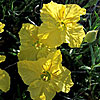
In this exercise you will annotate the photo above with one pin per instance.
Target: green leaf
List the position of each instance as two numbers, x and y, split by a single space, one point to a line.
90 3
85 67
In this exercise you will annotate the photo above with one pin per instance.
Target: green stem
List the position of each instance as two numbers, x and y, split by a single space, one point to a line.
92 55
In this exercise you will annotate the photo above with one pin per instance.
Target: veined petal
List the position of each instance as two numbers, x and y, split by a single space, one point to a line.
56 61
63 80
4 81
50 34
53 61
30 70
49 92
73 13
51 9
76 34
36 89
29 53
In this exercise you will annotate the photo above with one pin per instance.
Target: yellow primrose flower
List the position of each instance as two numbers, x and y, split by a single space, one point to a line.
4 77
31 48
1 27
2 58
4 81
46 76
58 21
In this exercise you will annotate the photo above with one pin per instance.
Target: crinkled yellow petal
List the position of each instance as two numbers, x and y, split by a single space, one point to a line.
30 70
73 13
50 34
56 60
64 13
63 80
76 34
2 58
65 77
4 81
53 61
1 27
53 9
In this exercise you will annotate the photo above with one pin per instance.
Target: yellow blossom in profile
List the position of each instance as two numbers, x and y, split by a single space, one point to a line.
31 48
46 76
1 27
60 25
2 58
4 78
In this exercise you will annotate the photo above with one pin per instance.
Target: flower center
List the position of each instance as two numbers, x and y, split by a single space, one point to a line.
61 25
37 44
45 76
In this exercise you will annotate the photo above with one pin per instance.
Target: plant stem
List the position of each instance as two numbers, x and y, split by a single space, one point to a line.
92 54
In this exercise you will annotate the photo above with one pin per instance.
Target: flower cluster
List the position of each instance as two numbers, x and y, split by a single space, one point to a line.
39 60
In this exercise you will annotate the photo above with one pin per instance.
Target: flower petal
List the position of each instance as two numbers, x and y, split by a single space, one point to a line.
73 13
49 92
36 89
63 81
4 81
1 27
76 34
51 9
50 34
56 59
28 53
2 58
30 70
28 35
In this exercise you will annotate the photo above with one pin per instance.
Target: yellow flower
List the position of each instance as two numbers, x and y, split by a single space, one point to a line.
31 48
2 58
58 21
46 76
4 78
4 81
1 27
